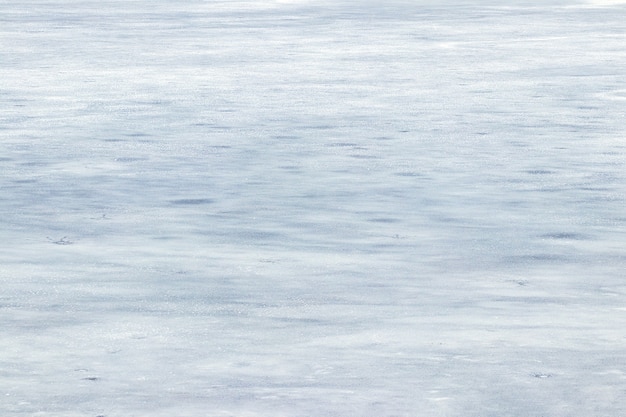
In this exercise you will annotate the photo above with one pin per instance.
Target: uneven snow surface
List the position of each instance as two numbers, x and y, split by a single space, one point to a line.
310 209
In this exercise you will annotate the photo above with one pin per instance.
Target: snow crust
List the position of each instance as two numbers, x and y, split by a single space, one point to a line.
298 208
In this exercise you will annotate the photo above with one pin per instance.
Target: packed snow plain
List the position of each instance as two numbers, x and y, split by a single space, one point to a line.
290 208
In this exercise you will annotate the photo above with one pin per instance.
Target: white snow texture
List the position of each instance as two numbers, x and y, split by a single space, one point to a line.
312 208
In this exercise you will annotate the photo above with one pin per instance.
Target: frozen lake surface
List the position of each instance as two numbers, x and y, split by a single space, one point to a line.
300 209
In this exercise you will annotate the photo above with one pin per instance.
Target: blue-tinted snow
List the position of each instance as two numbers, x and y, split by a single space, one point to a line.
255 208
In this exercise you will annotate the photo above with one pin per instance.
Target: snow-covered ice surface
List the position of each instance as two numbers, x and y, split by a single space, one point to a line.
291 208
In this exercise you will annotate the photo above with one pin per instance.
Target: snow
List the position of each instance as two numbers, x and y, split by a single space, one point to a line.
298 208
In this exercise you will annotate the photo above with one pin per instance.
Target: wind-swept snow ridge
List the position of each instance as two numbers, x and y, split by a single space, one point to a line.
266 208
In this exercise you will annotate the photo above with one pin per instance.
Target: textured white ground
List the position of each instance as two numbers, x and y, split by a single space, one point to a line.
293 208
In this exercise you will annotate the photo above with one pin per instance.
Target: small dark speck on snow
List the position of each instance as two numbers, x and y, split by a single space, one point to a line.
62 241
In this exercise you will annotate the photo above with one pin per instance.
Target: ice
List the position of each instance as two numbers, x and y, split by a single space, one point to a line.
298 208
